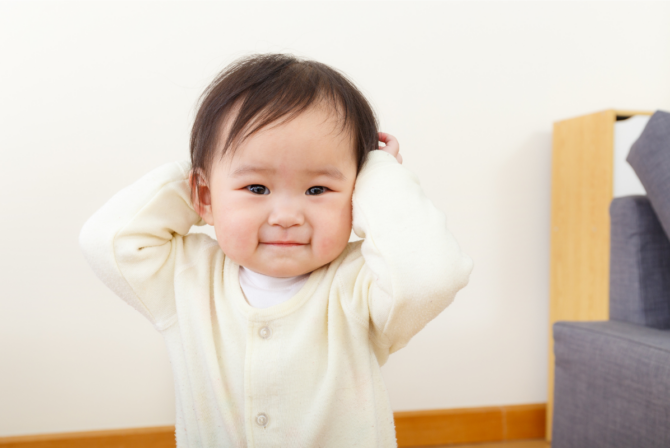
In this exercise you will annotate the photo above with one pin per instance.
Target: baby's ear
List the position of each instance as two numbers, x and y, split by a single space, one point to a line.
200 195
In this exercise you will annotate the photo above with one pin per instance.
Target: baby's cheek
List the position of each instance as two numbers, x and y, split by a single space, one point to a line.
238 235
332 240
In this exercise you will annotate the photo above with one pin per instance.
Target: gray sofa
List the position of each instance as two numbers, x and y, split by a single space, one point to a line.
612 378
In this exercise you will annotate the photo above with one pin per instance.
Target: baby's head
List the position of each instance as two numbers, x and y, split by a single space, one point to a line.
276 146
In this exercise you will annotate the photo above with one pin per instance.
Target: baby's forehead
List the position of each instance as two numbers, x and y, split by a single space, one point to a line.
325 116
311 139
267 168
277 158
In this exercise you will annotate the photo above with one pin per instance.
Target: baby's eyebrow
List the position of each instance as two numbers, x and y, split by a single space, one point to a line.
244 169
329 171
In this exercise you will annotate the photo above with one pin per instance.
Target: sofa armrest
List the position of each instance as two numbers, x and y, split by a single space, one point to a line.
639 264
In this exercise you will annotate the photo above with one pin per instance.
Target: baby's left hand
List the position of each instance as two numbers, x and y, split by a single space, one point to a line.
392 146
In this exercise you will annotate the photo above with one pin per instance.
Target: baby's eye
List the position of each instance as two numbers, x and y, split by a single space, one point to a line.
316 190
258 189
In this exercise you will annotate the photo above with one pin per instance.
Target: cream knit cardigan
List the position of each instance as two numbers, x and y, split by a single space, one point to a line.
302 374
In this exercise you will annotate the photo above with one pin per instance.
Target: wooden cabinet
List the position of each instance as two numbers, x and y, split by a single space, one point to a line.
588 170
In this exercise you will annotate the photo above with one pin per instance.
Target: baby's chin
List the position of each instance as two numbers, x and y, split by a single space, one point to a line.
272 267
268 263
282 262
283 271
284 268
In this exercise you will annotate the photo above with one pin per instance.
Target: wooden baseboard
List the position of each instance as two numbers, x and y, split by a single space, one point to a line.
413 429
470 425
155 437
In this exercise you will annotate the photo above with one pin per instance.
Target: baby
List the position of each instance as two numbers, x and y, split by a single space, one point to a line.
277 330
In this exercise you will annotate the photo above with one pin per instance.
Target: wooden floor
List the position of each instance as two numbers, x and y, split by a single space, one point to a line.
514 444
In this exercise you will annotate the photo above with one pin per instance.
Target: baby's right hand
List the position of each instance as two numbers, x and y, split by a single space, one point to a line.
392 146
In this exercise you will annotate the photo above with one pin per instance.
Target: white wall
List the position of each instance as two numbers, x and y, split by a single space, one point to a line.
94 95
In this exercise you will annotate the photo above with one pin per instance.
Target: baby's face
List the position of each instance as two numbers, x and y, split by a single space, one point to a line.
281 204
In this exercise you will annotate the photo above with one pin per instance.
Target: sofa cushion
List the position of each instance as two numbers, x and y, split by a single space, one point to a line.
612 386
650 158
639 264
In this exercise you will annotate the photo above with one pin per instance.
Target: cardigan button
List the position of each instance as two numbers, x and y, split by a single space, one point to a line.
265 332
262 420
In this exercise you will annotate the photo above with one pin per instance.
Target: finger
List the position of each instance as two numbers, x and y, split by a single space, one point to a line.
383 136
386 137
392 145
399 157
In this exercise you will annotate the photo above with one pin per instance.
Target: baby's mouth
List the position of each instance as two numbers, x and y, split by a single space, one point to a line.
283 243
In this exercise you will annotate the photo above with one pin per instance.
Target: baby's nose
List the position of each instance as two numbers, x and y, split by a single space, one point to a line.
286 214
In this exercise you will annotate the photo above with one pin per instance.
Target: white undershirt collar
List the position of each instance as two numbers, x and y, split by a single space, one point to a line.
263 291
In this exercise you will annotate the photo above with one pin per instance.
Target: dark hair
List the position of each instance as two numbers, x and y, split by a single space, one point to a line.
267 87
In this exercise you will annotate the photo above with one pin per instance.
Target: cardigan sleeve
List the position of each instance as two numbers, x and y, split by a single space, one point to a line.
134 241
414 264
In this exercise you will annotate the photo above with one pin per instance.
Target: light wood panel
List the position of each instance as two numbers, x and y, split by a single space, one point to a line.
582 187
413 429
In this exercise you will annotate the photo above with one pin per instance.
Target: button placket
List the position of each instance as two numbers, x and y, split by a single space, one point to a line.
262 354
